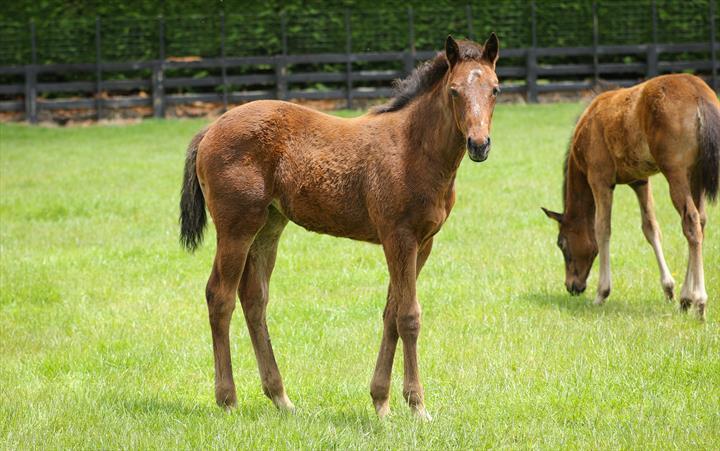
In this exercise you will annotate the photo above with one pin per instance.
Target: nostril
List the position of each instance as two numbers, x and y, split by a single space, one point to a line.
487 143
470 143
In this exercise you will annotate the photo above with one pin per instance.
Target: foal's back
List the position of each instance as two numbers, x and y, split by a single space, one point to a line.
313 167
639 131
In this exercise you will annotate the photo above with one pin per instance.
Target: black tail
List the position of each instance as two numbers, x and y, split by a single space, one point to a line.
192 202
708 166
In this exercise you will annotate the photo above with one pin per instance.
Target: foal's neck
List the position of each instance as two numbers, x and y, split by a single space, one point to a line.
433 135
579 201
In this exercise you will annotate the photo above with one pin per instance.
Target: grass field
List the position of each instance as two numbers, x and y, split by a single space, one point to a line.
105 343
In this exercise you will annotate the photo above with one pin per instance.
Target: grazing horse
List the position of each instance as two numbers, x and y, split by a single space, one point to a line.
669 124
386 177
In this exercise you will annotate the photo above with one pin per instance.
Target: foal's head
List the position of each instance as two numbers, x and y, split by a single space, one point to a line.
473 87
579 250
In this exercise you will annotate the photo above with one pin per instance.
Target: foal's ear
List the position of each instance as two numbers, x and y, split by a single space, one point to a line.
553 215
491 49
452 51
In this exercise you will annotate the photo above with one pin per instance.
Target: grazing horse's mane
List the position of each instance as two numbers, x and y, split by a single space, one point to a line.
425 76
565 172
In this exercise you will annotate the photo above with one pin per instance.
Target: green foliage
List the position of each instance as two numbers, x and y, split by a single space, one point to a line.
105 342
131 29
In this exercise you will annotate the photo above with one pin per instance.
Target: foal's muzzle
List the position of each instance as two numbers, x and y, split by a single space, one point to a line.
575 288
478 151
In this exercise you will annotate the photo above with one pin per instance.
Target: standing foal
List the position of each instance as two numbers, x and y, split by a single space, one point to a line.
386 177
669 124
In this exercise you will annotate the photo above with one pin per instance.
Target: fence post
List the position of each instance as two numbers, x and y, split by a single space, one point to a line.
158 75
409 55
281 62
468 13
652 52
348 62
31 80
596 44
531 60
98 70
223 63
713 46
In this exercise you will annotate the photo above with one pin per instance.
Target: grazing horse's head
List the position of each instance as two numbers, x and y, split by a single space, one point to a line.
579 250
473 87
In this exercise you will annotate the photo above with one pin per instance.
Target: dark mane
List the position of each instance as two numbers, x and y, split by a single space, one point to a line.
565 172
425 76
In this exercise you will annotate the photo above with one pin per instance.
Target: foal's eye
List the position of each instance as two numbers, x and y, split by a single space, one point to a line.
495 91
454 92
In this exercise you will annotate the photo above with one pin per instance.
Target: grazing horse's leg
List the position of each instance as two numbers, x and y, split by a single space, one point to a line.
651 229
603 195
221 294
401 253
253 293
699 199
693 290
380 385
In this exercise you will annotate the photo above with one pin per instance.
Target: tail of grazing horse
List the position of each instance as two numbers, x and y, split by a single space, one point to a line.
192 203
708 165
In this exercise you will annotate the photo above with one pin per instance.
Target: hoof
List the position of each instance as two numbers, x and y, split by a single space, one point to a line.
701 311
382 408
226 398
669 292
283 403
685 304
422 414
602 295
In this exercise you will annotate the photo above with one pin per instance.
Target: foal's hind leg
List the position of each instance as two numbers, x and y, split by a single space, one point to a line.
380 385
699 199
254 289
693 291
233 243
651 229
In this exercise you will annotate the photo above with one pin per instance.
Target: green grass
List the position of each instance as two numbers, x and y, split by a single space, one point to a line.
105 343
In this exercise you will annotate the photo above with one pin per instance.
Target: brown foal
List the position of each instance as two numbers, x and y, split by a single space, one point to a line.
669 124
386 177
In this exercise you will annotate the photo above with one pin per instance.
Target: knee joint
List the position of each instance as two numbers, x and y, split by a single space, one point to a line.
409 325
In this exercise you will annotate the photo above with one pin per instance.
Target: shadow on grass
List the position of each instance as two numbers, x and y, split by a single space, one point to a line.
153 406
255 411
247 409
583 306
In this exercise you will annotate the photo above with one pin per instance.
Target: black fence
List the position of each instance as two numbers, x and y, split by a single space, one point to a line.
105 64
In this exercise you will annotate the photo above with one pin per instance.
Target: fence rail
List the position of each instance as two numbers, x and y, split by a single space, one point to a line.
280 66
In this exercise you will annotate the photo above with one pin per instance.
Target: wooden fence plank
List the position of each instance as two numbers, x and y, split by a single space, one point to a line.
276 73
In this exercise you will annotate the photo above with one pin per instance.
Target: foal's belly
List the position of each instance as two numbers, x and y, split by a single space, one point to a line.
321 214
633 161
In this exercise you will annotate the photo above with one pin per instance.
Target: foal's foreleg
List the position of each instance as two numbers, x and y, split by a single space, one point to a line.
254 291
401 252
603 195
651 229
380 385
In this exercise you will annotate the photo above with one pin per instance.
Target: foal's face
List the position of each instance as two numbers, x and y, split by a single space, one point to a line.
579 250
473 88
